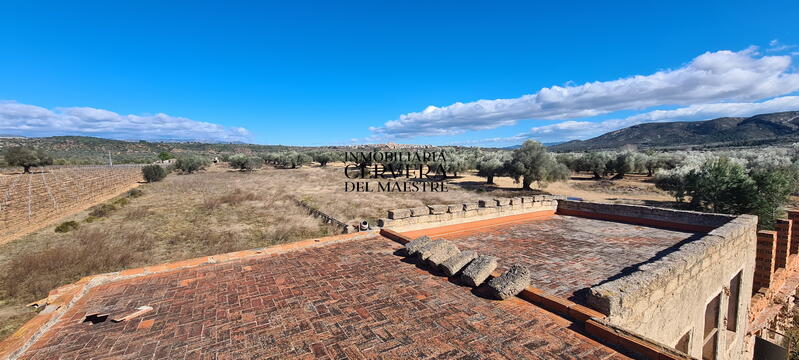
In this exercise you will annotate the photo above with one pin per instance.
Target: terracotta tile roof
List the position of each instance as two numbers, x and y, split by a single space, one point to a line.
566 254
346 300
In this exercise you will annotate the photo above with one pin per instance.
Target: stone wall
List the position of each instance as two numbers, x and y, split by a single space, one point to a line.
345 229
686 220
446 214
666 298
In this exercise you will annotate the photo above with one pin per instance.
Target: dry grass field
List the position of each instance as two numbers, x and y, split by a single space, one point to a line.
222 210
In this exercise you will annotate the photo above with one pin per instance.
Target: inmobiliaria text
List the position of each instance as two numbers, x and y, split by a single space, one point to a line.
395 171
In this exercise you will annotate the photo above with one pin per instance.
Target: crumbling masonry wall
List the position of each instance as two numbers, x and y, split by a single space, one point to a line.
666 298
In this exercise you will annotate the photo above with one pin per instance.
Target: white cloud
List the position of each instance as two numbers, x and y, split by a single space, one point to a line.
776 46
571 130
711 77
31 120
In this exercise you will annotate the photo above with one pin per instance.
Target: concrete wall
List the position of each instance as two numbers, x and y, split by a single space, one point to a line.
667 297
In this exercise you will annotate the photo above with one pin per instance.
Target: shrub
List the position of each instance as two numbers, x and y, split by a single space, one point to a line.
102 210
66 227
134 193
137 213
164 155
153 173
191 163
32 275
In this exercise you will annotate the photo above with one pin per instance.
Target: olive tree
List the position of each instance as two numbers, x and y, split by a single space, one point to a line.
623 164
453 163
490 165
532 163
26 157
245 163
153 173
594 162
191 163
324 157
288 159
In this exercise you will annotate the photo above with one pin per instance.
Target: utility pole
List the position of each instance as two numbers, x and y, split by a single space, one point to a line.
110 163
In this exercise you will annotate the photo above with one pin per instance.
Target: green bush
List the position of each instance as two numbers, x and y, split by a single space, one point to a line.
191 163
153 173
66 227
163 156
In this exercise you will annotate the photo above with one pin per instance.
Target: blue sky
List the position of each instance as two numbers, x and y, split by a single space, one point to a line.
316 73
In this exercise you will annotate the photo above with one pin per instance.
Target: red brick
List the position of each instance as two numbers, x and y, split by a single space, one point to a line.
354 299
765 259
565 254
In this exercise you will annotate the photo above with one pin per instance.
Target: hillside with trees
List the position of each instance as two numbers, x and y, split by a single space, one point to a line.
84 150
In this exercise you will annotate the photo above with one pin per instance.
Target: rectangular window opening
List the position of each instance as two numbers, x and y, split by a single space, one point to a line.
711 332
732 304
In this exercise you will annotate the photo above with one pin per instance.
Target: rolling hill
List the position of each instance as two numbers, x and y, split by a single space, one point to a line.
93 150
760 129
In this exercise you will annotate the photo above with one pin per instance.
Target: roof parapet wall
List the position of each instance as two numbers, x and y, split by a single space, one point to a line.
646 215
610 297
440 215
665 296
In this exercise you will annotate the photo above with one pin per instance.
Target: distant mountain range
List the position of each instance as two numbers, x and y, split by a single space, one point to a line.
761 129
782 127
